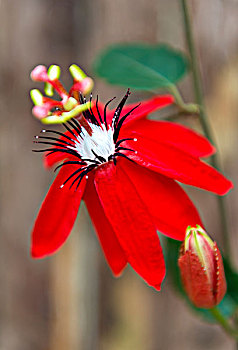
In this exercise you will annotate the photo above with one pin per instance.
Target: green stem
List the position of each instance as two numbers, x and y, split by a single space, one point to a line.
190 108
204 119
223 322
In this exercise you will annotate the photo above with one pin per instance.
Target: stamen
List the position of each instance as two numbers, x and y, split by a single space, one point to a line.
83 122
75 95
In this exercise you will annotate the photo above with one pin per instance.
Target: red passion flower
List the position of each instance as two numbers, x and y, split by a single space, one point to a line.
125 167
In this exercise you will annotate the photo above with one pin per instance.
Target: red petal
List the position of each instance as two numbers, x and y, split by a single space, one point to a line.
52 159
174 134
195 281
145 108
168 204
178 165
109 242
131 223
57 215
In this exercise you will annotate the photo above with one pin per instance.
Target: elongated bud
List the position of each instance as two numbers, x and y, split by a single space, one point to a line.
201 268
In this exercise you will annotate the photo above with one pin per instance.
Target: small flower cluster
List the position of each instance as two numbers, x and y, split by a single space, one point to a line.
51 111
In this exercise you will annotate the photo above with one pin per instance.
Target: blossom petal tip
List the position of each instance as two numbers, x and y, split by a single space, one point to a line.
35 254
213 150
227 187
157 287
41 252
118 272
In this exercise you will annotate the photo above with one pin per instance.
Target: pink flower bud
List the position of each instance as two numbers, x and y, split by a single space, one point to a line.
201 269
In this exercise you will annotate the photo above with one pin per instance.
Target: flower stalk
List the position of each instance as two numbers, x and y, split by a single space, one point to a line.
190 108
203 118
224 322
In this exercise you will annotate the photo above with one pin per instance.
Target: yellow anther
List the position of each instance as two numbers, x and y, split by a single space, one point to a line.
54 72
77 72
37 97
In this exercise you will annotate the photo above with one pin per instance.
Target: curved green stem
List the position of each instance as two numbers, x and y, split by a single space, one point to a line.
204 118
223 322
191 108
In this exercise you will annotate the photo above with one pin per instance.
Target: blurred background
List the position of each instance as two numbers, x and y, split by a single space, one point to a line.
71 301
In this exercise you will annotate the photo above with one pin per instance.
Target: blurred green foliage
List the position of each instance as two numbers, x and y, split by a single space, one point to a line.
141 66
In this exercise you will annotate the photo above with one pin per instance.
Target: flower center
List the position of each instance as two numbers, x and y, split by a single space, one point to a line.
97 146
90 139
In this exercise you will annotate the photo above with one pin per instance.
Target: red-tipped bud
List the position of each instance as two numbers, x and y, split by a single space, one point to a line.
201 269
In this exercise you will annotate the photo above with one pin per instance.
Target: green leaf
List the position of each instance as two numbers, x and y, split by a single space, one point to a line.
141 66
227 306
